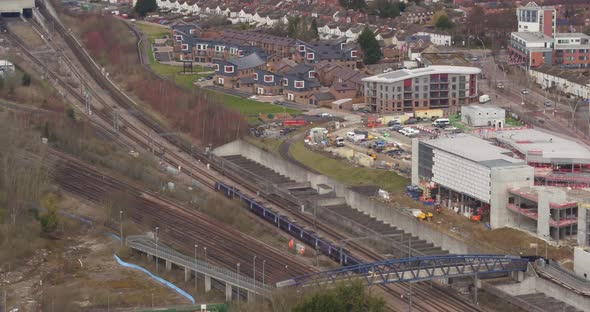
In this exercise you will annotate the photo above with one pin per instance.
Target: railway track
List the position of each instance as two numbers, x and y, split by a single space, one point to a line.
427 300
182 226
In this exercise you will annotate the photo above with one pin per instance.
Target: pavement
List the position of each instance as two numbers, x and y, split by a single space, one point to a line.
511 98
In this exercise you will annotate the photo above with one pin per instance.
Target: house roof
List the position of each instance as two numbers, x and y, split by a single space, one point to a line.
323 96
581 77
343 86
246 62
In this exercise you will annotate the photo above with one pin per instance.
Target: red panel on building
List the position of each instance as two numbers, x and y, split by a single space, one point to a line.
548 23
408 83
472 82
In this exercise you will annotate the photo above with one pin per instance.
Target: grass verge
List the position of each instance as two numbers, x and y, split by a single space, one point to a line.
251 109
345 172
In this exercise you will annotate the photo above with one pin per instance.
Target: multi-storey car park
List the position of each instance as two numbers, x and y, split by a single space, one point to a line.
405 90
527 178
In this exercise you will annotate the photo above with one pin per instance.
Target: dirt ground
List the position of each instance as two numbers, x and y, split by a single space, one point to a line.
26 32
78 272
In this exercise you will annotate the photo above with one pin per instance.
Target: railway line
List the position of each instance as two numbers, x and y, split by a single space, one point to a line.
427 300
182 226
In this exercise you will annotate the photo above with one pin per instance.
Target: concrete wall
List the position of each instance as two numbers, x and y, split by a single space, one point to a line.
15 6
415 158
582 262
374 208
540 285
505 178
583 214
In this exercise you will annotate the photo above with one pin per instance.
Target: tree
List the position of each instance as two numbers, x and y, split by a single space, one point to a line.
386 8
314 29
353 4
444 22
370 46
475 20
345 298
26 79
49 219
293 25
587 31
143 7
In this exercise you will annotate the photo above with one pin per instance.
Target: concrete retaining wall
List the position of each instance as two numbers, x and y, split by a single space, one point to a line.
374 208
540 285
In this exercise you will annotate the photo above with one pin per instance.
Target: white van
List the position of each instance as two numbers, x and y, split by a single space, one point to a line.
350 136
441 122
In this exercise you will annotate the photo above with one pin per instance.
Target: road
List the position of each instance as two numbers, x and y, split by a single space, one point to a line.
533 111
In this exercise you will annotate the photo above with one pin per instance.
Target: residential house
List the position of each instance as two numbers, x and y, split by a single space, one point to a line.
234 73
300 83
437 38
324 99
335 51
267 83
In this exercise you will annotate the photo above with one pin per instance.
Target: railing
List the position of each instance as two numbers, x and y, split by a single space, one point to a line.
148 245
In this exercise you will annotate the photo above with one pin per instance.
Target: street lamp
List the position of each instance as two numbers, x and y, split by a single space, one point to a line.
254 269
205 249
157 229
263 264
196 273
238 269
121 225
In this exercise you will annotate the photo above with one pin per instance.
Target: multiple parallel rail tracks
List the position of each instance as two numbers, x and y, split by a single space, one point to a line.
141 130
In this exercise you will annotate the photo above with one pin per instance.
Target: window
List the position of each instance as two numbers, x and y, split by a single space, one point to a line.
285 81
454 79
399 89
425 80
201 47
299 84
255 76
425 88
220 81
240 52
301 48
193 31
311 74
425 95
310 56
571 58
184 47
269 78
228 69
353 53
178 38
216 67
416 88
233 51
219 48
416 103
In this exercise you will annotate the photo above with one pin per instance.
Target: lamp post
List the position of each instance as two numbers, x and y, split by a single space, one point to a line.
238 269
121 226
254 269
263 264
196 273
205 249
157 229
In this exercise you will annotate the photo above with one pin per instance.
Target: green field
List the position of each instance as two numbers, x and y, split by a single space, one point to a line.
249 108
347 173
456 122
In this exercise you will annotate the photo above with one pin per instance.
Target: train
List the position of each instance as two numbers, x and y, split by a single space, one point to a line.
310 238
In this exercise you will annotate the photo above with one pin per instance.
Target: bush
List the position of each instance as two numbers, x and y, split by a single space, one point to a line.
26 79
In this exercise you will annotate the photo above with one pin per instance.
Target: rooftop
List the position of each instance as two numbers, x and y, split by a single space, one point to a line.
444 58
571 35
482 108
250 61
532 37
476 149
579 76
545 145
403 74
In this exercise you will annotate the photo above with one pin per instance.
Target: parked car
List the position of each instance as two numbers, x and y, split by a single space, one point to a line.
396 127
411 121
393 123
500 86
524 91
547 104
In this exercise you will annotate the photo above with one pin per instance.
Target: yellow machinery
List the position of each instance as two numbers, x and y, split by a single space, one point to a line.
424 216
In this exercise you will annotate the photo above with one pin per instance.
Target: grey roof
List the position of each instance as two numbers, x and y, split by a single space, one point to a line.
476 149
321 96
330 49
579 76
250 61
568 35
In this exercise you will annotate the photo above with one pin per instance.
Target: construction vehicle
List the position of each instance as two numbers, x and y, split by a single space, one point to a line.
421 215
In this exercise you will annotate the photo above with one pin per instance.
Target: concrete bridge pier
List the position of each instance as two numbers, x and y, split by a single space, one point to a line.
517 276
228 291
168 266
476 285
187 274
150 258
207 283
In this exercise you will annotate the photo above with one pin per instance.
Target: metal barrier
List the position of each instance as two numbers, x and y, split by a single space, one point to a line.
148 245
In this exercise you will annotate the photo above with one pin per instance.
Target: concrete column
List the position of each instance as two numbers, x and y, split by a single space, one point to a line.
227 292
168 265
249 296
207 283
187 274
582 215
150 258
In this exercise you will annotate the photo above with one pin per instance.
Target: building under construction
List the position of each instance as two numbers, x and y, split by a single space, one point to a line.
523 178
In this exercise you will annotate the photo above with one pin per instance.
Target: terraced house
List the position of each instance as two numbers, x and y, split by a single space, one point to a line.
234 73
331 51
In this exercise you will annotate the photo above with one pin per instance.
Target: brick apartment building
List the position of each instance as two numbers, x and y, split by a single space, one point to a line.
444 87
537 43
